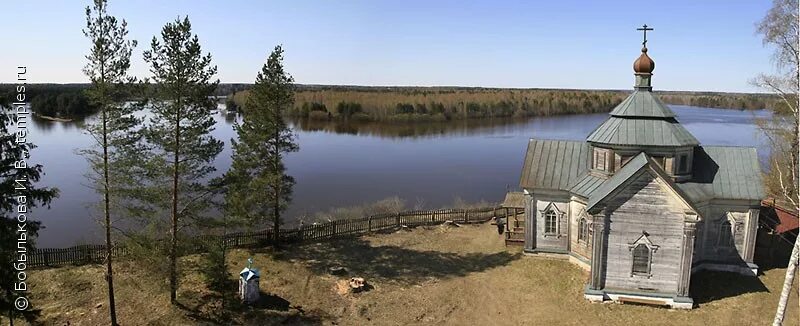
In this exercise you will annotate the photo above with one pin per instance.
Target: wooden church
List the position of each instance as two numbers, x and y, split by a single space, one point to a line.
641 203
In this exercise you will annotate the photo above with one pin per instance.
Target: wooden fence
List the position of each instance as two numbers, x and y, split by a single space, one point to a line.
86 254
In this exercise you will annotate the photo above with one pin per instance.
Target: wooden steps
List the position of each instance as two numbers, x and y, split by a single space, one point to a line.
515 242
515 236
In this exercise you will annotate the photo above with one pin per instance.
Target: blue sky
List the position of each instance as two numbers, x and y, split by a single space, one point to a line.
554 44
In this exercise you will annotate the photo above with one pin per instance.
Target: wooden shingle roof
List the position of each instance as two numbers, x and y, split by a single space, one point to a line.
554 164
514 199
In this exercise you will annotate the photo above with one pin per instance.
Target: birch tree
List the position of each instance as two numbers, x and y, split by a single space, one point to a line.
779 29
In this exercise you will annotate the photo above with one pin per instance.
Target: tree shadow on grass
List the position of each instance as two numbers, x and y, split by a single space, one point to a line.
270 309
394 263
709 286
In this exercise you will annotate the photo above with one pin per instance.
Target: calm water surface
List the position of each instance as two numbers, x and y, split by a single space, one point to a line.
349 164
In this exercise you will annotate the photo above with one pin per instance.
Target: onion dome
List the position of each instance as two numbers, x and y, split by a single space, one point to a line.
644 64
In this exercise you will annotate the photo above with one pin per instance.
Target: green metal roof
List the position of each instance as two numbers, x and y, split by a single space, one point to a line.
554 164
719 172
642 132
642 104
586 185
725 172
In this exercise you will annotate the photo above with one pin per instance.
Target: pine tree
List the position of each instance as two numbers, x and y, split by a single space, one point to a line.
259 186
214 263
113 129
180 128
11 200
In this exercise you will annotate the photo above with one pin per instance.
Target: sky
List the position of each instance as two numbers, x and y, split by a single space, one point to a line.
697 45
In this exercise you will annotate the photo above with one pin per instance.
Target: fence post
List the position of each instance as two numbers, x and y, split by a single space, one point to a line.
369 224
335 231
466 216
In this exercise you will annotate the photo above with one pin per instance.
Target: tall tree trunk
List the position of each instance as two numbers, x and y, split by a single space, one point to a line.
787 285
173 253
106 199
278 184
112 309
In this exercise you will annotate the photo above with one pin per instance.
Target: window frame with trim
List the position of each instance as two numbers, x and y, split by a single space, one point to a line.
550 222
600 159
683 163
642 246
727 230
583 230
551 212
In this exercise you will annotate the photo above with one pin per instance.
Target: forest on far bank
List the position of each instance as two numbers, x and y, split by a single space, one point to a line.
367 103
452 103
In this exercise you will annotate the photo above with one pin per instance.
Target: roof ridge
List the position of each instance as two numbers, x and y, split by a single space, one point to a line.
553 139
730 146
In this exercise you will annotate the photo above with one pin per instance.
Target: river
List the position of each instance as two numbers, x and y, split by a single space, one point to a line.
339 164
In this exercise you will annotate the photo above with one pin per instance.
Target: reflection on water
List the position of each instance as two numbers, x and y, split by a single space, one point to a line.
342 164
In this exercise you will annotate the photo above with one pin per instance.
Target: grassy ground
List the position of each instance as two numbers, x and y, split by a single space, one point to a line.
441 275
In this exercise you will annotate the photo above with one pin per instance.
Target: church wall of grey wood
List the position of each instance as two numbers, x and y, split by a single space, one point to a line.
641 203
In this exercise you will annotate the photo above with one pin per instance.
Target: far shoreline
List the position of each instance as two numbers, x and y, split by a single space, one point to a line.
56 119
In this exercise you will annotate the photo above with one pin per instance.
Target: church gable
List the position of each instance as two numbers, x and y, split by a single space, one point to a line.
625 182
645 193
646 220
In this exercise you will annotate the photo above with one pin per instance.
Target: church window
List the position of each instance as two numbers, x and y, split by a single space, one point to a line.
583 230
600 159
550 222
642 251
725 238
641 259
683 165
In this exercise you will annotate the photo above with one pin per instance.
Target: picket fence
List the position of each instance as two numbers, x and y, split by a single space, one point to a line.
88 254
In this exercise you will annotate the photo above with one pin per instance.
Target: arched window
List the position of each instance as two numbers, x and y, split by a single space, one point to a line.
725 238
583 230
641 259
550 222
